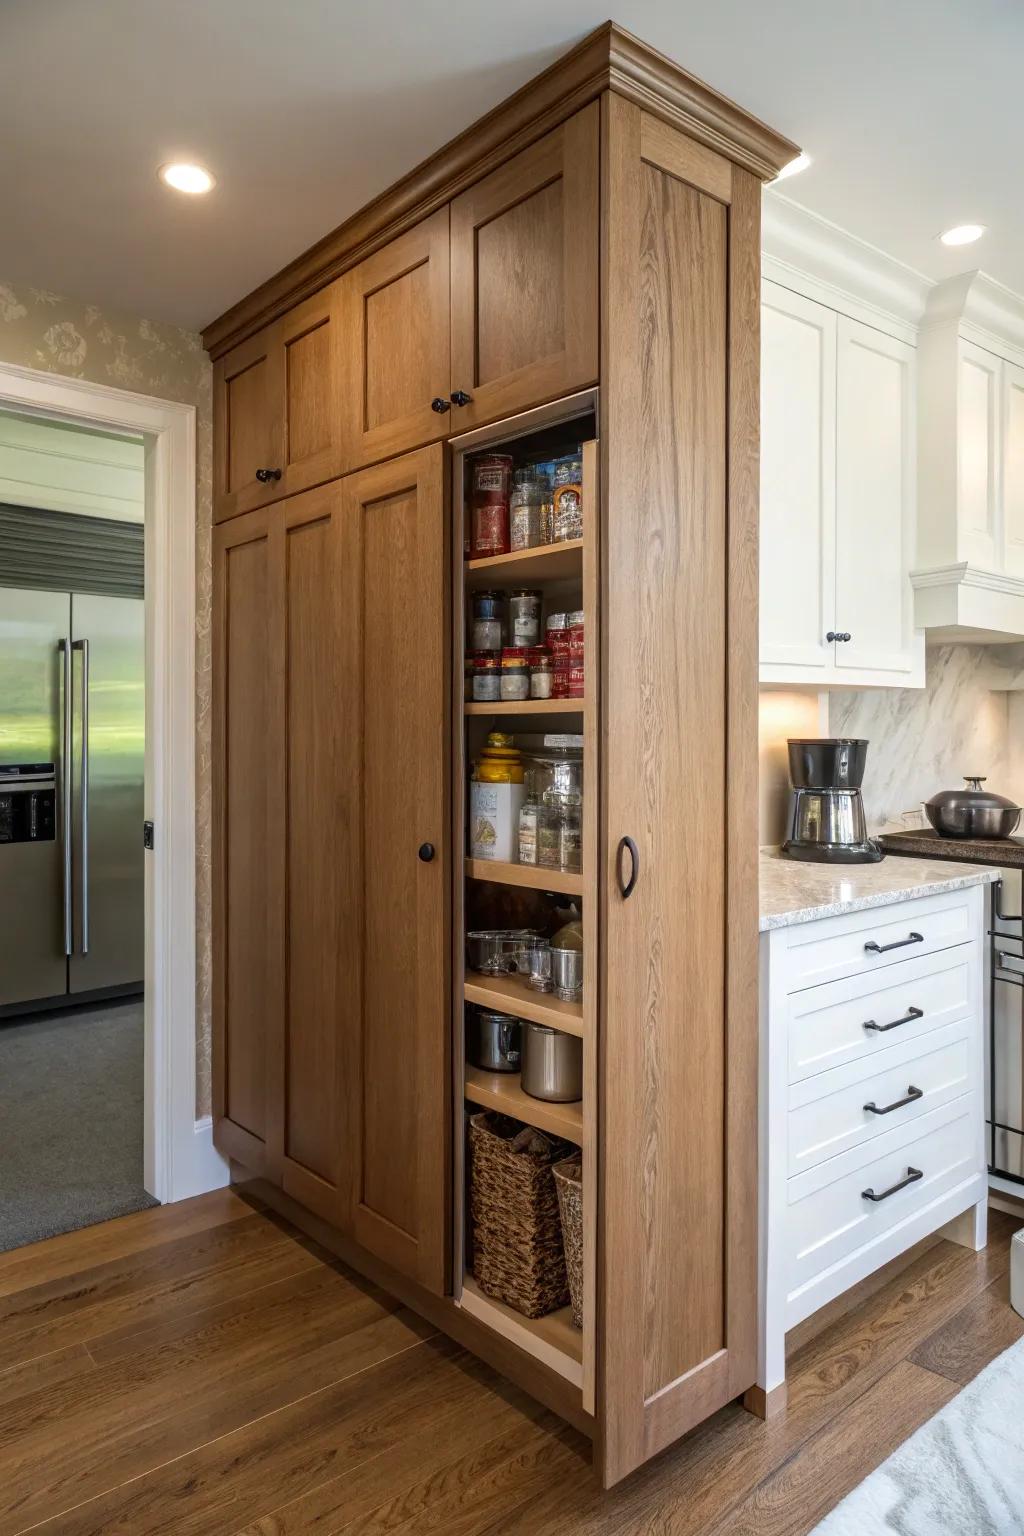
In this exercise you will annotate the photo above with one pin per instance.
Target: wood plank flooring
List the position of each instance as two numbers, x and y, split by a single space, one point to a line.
204 1370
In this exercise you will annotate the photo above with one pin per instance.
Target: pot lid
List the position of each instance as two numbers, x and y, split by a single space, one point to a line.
972 795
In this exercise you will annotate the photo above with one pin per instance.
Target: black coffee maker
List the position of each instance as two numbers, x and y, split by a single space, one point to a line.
826 812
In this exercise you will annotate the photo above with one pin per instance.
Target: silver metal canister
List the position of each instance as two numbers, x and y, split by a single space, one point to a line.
524 617
567 974
494 1041
552 1064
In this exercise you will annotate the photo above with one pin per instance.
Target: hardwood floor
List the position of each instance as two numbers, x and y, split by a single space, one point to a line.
204 1370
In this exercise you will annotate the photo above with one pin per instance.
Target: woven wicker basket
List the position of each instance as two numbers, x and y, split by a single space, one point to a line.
516 1232
568 1177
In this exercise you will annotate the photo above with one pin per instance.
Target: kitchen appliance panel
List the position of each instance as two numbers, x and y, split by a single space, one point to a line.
108 696
33 625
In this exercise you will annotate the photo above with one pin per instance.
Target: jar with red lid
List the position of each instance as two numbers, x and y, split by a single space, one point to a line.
489 505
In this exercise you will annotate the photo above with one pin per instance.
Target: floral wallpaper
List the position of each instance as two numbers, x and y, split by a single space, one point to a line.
39 329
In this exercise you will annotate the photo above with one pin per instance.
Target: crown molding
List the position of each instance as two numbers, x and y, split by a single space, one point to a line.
984 311
610 58
963 574
849 274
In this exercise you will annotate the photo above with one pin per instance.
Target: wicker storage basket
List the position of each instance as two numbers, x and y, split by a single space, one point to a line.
568 1176
516 1232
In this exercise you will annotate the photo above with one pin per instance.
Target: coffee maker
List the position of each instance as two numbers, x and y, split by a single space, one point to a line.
826 812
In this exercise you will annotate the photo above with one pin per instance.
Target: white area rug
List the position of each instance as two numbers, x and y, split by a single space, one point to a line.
961 1474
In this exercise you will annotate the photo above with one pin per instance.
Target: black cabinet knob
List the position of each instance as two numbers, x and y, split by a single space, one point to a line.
459 397
835 634
264 476
440 404
426 852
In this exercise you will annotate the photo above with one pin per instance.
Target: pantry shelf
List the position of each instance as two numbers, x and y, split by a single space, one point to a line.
551 1339
548 562
528 707
502 1091
529 875
510 994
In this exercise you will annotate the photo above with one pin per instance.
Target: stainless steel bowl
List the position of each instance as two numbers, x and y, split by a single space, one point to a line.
973 813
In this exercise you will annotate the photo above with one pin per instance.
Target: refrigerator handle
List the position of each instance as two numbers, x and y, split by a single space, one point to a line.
65 794
83 851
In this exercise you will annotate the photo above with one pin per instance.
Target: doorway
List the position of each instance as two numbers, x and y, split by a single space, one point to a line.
179 1159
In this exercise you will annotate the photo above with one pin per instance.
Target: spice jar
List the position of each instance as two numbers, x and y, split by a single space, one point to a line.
567 497
487 621
524 616
541 674
487 677
515 674
489 507
526 509
570 834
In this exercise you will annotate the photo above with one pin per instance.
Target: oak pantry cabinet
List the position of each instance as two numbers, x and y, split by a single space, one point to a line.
577 274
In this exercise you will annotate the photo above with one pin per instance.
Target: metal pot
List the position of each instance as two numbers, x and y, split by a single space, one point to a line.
972 813
494 1041
827 762
552 1064
499 951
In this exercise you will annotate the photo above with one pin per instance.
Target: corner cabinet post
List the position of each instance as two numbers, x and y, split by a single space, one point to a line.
677 1235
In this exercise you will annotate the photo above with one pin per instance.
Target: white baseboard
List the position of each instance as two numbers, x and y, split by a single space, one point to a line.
199 1167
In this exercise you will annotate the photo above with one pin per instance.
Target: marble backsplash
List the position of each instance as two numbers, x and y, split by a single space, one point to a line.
925 740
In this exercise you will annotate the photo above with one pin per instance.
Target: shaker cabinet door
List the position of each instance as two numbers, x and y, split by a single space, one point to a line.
392 936
395 346
524 253
247 424
1013 469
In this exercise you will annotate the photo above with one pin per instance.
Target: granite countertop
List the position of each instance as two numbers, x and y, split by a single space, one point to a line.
794 892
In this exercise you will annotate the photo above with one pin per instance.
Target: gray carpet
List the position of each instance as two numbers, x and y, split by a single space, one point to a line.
71 1094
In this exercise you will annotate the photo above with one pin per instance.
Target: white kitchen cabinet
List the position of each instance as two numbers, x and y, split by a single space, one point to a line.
872 1117
838 451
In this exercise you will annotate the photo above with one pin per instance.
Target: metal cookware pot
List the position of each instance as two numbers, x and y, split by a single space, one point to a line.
973 812
831 762
494 1041
552 1064
499 951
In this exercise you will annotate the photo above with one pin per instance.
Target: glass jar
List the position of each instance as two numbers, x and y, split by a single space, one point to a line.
567 496
487 628
524 616
541 675
526 509
529 816
549 831
489 509
570 832
487 677
515 675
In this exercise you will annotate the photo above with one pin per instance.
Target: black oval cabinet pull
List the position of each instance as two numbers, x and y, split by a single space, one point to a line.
264 476
459 397
913 1094
440 404
908 1018
835 634
426 852
872 948
913 1174
627 845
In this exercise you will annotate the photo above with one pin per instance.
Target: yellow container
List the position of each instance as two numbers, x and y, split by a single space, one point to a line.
499 762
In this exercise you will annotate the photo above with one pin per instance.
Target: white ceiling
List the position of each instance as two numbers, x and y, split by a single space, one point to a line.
304 109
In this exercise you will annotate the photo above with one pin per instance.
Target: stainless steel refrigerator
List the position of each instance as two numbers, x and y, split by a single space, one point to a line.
72 740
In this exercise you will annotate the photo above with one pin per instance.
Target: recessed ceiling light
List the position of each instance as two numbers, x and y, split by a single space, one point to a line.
186 178
962 234
794 167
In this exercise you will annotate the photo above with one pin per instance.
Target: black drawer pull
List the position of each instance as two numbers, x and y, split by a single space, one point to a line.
912 1094
908 1018
913 1174
440 405
627 887
883 949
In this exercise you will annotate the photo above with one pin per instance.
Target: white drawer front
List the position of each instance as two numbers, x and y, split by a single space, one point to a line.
821 952
827 1113
828 1217
827 1026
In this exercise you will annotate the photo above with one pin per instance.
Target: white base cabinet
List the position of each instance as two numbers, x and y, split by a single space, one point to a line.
872 1111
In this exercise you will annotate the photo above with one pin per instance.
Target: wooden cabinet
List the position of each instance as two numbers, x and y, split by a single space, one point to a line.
838 502
524 277
276 413
332 930
395 351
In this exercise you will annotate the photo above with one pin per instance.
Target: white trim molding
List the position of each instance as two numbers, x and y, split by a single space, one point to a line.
965 603
180 1159
983 310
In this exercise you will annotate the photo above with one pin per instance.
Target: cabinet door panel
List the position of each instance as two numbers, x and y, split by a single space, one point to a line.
247 423
875 505
978 457
246 892
395 348
395 547
308 343
798 463
678 972
524 251
1013 469
320 1014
